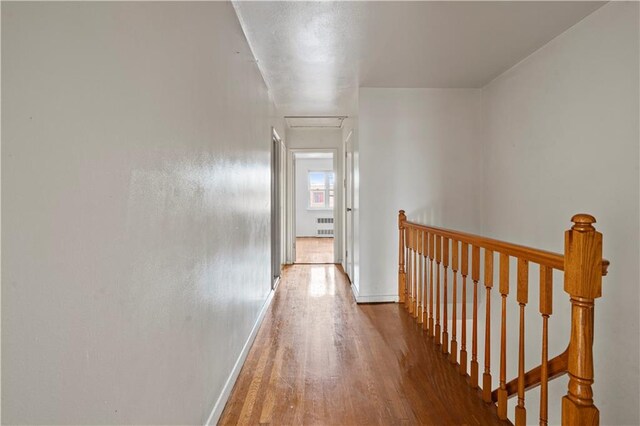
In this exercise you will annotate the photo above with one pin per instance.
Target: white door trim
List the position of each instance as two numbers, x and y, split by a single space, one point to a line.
348 190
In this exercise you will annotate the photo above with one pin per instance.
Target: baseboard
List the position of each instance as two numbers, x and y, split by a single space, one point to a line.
354 290
380 298
233 376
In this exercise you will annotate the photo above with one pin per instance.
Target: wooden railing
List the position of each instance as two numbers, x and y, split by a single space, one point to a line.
427 253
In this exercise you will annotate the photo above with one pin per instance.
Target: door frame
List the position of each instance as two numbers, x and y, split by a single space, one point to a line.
348 203
291 203
278 152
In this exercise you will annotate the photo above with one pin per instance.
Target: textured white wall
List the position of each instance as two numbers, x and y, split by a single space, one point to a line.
306 219
419 150
561 137
135 193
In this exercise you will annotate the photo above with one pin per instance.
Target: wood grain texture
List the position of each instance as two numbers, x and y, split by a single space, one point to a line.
546 308
425 279
475 276
401 257
437 333
488 283
454 315
501 396
319 358
582 280
556 367
541 257
583 268
445 291
432 249
314 250
464 256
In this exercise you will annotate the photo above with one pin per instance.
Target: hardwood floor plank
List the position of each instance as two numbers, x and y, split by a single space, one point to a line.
319 358
314 250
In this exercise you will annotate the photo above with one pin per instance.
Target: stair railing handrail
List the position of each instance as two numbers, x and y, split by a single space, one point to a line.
425 251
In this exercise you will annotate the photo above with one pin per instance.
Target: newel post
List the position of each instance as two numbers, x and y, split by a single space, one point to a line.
402 275
583 282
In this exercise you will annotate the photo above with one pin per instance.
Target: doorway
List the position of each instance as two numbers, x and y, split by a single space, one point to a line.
277 150
315 205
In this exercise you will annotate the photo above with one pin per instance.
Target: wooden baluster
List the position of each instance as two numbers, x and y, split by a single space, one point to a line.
407 300
437 283
464 257
546 296
504 292
583 282
409 269
402 277
417 314
475 276
413 271
488 283
414 235
445 318
432 250
523 298
454 324
425 280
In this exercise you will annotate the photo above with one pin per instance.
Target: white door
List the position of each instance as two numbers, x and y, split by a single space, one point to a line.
348 183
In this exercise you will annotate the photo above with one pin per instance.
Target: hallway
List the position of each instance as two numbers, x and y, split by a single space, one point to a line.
321 359
160 159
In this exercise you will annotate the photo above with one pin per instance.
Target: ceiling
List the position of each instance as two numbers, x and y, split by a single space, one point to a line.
315 55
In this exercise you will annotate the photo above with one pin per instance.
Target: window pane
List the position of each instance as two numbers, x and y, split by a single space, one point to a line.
331 180
316 180
316 199
331 198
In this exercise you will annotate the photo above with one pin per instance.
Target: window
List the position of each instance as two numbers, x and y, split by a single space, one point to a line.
321 190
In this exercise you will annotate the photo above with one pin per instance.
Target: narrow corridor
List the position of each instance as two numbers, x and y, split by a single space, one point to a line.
321 359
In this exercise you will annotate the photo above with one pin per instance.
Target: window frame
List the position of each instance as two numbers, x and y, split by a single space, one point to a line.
326 190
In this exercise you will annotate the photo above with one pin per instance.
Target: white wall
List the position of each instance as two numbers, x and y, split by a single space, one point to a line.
306 219
561 137
419 150
555 135
135 192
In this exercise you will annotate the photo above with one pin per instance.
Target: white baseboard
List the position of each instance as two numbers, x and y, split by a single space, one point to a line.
354 290
233 376
379 298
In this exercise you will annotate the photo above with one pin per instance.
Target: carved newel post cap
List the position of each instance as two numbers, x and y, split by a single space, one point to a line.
583 222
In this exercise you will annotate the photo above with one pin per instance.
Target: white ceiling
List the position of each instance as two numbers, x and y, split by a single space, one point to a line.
315 55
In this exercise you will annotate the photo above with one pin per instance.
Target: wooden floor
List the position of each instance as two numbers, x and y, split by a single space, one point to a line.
319 358
314 250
